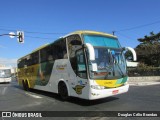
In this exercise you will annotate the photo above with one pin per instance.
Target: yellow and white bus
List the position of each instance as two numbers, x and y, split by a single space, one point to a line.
84 64
5 75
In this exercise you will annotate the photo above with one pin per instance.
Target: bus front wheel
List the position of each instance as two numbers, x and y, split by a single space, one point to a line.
62 91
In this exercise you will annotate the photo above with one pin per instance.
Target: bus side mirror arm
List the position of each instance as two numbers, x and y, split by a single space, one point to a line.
132 51
91 51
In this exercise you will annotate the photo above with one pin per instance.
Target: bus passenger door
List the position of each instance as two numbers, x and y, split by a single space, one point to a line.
81 66
80 73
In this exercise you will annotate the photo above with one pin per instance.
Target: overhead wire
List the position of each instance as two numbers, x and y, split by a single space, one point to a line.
128 37
31 32
139 26
133 28
39 37
60 33
43 32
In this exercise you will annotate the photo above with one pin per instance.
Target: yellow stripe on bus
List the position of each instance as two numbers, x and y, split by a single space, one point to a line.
108 83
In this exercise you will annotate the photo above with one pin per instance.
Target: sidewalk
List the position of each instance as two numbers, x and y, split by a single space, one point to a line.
144 81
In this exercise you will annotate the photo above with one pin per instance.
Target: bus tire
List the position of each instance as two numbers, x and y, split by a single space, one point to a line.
62 91
24 84
27 86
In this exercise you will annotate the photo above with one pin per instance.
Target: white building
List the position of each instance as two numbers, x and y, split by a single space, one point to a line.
132 64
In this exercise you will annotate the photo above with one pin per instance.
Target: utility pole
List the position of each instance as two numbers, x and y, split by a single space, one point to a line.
113 32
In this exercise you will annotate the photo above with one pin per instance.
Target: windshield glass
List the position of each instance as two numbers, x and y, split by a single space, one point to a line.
4 73
110 64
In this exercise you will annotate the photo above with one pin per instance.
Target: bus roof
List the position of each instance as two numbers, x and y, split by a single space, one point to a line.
91 32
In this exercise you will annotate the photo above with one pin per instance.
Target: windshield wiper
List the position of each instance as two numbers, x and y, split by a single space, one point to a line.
123 75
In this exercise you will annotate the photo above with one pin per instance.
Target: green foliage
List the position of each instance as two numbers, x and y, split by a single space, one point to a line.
145 67
128 55
148 51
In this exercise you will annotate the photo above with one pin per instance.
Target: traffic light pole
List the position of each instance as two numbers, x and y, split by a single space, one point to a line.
20 36
8 34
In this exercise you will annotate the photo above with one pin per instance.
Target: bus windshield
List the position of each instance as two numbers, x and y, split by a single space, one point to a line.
109 58
110 64
5 73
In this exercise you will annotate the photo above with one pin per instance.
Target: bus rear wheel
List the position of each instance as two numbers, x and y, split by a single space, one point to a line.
62 91
25 85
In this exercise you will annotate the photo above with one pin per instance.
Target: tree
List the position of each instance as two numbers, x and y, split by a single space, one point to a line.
148 51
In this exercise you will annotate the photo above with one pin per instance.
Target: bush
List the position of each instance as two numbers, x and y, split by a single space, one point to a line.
144 70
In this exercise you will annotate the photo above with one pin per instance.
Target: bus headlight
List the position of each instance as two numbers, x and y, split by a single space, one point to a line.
126 83
97 87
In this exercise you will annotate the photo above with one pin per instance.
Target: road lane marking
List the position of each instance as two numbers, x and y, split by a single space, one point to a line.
34 96
4 90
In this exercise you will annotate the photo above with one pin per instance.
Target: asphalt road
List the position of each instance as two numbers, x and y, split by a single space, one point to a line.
139 98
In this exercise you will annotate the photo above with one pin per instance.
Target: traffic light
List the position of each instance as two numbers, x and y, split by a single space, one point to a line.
20 36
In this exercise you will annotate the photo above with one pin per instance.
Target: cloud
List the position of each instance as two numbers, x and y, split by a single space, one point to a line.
8 62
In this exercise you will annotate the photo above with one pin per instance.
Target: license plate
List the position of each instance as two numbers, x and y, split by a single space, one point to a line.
115 91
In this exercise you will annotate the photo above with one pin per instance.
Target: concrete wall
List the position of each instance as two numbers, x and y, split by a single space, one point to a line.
145 79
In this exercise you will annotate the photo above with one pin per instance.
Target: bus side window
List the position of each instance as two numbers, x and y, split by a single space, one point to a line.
35 58
43 55
59 49
21 63
46 54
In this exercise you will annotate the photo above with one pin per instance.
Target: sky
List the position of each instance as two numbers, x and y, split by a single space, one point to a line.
44 21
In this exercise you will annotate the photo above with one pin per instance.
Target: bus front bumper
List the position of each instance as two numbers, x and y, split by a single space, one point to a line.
103 93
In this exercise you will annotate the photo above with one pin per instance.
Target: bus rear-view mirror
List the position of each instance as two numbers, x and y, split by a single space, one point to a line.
91 51
132 51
